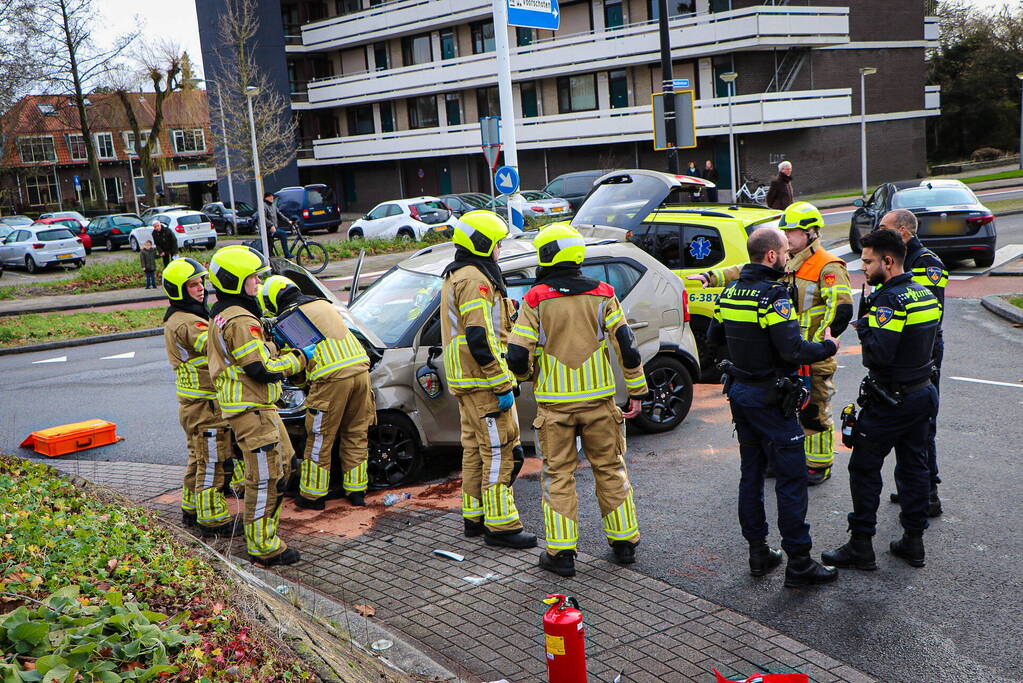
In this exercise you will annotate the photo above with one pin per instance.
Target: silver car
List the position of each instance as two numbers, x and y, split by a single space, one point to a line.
40 245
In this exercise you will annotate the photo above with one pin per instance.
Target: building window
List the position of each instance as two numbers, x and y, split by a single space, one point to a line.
482 37
613 14
36 148
530 101
618 88
488 101
453 107
422 112
189 140
386 117
129 143
42 189
105 146
360 120
523 36
112 186
676 8
344 7
76 146
416 49
448 44
381 56
577 93
721 64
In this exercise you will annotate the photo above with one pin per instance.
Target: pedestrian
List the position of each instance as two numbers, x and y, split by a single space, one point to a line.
566 325
710 173
475 321
694 172
164 241
147 255
823 300
781 194
186 333
928 271
277 224
247 372
339 398
898 400
755 318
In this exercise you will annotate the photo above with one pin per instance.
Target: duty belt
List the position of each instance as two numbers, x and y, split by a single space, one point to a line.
905 389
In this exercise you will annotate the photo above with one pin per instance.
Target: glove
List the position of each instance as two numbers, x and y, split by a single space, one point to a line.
505 401
308 351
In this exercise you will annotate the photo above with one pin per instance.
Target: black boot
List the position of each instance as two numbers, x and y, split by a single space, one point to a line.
473 527
817 476
934 503
356 498
289 556
188 518
802 570
762 558
306 504
910 548
562 564
858 553
625 551
510 539
226 530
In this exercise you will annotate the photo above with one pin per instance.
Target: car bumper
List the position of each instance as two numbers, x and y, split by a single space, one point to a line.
197 239
69 256
983 242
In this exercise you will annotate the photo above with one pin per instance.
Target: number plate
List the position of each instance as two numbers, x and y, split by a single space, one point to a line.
557 209
65 255
946 227
319 212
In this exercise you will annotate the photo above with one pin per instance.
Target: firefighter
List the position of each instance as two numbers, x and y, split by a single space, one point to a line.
567 323
823 300
339 400
247 372
475 321
185 333
756 319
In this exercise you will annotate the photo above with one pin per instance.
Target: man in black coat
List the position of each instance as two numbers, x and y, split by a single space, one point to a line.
781 194
165 242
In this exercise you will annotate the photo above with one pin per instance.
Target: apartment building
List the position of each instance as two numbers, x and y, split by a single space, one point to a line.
389 94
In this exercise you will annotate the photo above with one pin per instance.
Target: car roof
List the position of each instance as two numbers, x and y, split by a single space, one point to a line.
181 212
37 227
933 182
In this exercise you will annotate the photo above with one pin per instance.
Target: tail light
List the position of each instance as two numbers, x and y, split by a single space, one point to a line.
337 208
38 245
305 213
414 212
537 209
685 306
115 231
179 228
980 220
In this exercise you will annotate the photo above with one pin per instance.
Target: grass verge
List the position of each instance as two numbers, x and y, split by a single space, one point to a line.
1017 173
343 249
1016 301
35 328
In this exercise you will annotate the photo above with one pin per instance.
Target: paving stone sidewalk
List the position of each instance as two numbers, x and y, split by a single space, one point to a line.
482 617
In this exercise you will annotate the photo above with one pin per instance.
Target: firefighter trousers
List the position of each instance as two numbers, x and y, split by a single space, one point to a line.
209 448
490 448
601 427
267 452
817 420
343 409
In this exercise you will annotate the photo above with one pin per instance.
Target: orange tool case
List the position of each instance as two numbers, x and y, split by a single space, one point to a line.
72 437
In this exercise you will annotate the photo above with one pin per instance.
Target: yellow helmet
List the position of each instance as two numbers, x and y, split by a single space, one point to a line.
269 295
177 274
231 266
801 216
559 243
479 231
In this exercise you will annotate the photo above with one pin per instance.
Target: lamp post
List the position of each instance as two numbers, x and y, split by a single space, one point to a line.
227 152
250 92
131 176
864 72
729 78
1020 77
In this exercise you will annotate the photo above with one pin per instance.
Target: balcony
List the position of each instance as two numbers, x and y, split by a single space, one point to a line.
751 114
931 34
752 28
932 99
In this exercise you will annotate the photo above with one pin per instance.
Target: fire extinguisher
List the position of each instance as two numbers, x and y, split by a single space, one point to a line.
565 640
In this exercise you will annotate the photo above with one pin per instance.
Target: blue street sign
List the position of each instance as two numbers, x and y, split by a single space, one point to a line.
506 180
78 183
679 83
542 14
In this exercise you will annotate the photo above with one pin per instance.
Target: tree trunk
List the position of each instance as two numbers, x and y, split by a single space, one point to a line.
90 144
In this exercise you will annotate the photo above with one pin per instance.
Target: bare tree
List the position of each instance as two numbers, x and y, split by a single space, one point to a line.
19 67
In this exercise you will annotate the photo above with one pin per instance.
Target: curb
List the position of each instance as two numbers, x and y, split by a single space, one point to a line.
1002 308
82 341
74 307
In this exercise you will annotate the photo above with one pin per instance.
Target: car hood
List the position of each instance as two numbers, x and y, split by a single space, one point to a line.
623 199
434 259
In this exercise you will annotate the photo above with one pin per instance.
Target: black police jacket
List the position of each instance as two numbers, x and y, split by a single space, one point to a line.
897 334
757 320
927 270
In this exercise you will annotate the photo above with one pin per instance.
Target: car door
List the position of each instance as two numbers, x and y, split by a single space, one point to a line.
97 229
7 246
865 218
373 224
15 247
395 218
438 416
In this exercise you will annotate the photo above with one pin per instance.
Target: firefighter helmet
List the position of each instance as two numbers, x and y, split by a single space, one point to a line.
269 295
559 243
177 274
231 266
802 216
479 231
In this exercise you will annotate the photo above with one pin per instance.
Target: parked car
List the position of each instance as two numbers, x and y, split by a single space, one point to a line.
220 216
406 218
539 205
457 204
952 221
573 186
66 214
112 230
149 214
77 228
313 206
192 229
16 220
477 200
39 246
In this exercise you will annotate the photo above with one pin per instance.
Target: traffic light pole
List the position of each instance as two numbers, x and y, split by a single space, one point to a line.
504 89
667 86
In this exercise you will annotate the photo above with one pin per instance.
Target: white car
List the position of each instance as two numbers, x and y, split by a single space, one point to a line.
149 214
191 228
408 218
38 246
82 220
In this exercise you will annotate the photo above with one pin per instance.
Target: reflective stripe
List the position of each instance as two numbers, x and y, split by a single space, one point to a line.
472 507
261 535
200 342
262 483
499 506
314 480
357 478
620 524
334 354
611 319
527 332
635 382
317 447
559 383
562 532
211 458
495 449
820 449
229 392
248 348
187 499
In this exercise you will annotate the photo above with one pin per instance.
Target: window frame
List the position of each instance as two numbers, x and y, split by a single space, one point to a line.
408 51
608 4
387 123
354 121
99 145
610 91
69 138
564 84
178 136
35 143
32 184
456 98
378 47
412 106
478 38
534 86
483 101
448 33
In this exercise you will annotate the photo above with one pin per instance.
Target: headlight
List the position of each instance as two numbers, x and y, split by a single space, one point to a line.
291 400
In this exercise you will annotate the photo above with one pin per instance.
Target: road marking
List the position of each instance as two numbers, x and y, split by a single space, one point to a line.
960 277
855 265
1003 255
987 381
120 356
993 193
346 278
58 359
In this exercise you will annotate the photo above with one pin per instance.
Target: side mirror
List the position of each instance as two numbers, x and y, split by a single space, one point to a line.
429 381
857 202
431 354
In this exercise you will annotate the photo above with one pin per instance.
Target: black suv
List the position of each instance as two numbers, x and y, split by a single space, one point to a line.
220 216
312 206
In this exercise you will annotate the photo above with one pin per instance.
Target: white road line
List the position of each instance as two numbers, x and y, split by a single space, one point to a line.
58 359
1003 255
960 277
346 278
993 193
855 265
987 381
120 356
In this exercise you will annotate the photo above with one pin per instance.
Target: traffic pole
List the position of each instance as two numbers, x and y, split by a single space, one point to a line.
667 86
504 89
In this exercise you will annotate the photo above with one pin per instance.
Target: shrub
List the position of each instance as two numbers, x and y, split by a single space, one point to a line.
986 154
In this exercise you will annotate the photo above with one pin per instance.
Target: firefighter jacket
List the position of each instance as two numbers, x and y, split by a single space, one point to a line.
567 337
185 335
897 334
475 324
246 369
756 319
339 355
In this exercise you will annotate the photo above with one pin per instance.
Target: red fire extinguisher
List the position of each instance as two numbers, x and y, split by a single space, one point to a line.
565 640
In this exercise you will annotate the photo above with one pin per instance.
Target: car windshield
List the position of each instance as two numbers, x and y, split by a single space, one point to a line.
536 196
193 219
917 197
618 203
432 212
395 302
67 222
320 195
54 235
476 201
126 221
16 221
242 207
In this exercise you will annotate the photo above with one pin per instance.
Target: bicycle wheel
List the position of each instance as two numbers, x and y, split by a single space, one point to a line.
312 256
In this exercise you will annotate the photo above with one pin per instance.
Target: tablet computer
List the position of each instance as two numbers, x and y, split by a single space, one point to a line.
297 330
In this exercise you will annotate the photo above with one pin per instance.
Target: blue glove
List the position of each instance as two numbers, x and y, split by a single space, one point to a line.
308 351
505 401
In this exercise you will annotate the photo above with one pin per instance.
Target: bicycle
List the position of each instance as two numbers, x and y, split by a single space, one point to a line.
757 195
309 254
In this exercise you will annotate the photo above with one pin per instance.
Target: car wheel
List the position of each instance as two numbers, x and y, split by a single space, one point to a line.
355 234
854 240
406 234
333 228
31 265
395 456
112 246
88 251
79 263
211 243
671 390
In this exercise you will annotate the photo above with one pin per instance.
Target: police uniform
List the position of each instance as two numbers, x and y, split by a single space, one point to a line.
758 322
339 400
560 340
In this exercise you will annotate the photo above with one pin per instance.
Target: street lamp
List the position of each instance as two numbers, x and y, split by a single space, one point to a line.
250 92
729 78
227 152
864 72
1020 77
131 175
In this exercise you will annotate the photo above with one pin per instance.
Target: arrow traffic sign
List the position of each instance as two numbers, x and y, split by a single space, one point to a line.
543 14
506 180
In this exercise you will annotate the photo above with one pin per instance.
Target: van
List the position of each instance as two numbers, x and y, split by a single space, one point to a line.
312 206
573 186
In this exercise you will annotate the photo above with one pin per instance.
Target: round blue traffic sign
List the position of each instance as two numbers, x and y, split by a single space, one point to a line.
506 180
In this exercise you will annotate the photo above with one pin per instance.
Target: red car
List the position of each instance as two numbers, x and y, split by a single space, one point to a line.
76 228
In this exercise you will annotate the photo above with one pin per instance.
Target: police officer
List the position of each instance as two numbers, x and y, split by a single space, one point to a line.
185 333
475 319
823 300
928 271
570 321
897 337
339 400
247 372
757 320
